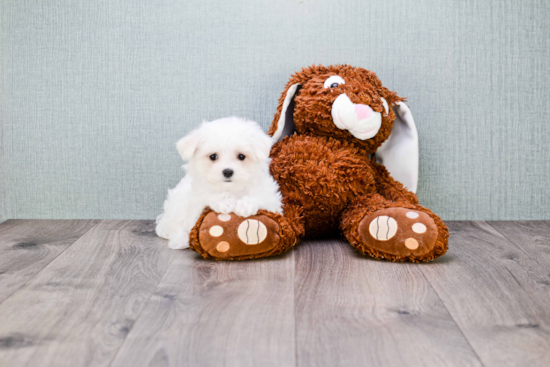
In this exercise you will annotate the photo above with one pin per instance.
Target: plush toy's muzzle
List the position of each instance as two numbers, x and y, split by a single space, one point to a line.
359 119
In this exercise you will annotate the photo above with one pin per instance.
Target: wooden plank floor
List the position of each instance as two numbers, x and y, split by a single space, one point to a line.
102 293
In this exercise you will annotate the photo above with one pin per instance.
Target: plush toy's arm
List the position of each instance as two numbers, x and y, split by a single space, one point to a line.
388 187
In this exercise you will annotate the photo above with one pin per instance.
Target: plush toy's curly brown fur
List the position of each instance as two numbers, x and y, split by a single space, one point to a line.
330 169
328 180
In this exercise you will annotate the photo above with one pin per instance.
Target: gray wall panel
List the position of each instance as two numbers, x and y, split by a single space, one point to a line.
94 94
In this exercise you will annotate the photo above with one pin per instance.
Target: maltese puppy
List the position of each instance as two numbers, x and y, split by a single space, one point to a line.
228 171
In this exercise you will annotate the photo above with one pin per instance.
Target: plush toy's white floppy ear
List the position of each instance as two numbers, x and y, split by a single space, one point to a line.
399 154
187 145
285 125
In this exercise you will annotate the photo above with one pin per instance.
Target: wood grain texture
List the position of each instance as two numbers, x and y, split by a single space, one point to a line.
118 296
79 309
26 247
208 313
355 311
531 236
495 292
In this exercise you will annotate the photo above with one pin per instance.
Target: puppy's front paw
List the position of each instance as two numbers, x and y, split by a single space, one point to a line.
224 206
181 241
246 208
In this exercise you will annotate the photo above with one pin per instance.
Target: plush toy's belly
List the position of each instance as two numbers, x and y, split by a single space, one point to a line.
325 174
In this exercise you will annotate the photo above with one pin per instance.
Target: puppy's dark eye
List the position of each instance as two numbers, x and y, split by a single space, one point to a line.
241 157
334 85
213 157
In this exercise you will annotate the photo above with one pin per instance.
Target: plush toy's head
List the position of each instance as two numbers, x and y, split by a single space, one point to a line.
339 101
351 104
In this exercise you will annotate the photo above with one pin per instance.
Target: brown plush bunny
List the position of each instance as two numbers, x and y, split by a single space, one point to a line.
343 137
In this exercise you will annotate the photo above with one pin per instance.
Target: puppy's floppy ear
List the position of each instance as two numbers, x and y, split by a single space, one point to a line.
283 124
187 145
399 154
261 146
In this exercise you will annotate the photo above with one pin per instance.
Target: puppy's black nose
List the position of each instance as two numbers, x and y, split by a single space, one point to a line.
227 172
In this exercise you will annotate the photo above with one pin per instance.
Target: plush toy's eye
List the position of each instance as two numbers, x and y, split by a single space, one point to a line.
333 81
213 157
385 104
241 157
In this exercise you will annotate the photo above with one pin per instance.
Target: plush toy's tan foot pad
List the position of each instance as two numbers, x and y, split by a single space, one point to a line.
399 231
228 235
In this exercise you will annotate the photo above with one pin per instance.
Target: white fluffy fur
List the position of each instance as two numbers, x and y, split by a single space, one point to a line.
249 189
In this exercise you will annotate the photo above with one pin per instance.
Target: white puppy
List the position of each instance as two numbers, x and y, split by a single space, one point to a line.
228 171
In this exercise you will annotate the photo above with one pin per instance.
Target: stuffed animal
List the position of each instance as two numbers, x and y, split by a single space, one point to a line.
346 160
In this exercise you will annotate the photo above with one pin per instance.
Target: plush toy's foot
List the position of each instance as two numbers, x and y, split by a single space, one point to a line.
397 231
230 237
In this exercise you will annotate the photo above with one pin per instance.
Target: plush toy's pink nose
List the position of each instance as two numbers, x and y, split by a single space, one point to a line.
363 111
